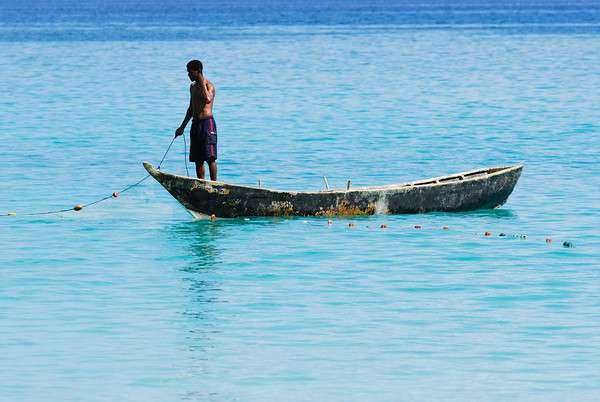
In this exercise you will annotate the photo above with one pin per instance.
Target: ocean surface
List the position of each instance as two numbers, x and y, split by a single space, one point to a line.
131 299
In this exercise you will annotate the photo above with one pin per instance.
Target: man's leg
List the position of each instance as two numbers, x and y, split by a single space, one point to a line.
212 166
200 169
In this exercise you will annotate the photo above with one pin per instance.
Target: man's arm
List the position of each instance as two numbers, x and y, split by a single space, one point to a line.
205 90
188 116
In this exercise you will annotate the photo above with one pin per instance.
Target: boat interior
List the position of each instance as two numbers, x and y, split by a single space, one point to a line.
446 179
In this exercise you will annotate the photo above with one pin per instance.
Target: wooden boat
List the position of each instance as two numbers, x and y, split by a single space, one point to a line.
476 189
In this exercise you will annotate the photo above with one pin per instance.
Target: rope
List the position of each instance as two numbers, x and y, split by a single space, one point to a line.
113 195
163 158
185 156
43 213
120 192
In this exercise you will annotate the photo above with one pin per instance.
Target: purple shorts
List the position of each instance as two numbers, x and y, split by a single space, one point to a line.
203 140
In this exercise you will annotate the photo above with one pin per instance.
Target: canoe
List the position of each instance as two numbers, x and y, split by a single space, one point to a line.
477 189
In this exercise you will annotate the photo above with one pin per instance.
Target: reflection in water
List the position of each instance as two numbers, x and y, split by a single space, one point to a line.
198 245
205 267
201 239
201 244
500 213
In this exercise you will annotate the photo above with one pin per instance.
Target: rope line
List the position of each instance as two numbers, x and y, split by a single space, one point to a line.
43 213
120 192
113 195
185 155
163 158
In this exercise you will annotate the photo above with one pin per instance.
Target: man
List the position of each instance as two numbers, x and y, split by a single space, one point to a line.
203 134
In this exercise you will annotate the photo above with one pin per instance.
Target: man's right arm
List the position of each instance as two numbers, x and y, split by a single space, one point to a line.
188 116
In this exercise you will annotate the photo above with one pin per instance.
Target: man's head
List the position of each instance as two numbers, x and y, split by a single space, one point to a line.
194 69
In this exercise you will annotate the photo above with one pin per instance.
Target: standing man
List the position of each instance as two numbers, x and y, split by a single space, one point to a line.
203 134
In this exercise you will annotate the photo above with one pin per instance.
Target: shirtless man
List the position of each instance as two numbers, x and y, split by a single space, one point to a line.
203 134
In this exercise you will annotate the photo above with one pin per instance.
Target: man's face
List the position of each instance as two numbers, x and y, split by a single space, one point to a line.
194 75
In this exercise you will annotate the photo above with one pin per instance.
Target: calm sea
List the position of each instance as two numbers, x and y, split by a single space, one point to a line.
132 300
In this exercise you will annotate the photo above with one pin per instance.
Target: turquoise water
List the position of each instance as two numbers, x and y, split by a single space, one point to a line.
132 300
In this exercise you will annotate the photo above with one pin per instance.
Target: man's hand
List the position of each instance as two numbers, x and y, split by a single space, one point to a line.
179 131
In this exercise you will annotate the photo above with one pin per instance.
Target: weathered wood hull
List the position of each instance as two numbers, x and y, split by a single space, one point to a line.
478 189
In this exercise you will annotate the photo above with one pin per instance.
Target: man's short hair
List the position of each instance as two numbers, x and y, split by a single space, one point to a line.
195 65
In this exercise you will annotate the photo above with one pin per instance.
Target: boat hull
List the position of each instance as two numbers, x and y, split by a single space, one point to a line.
480 189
